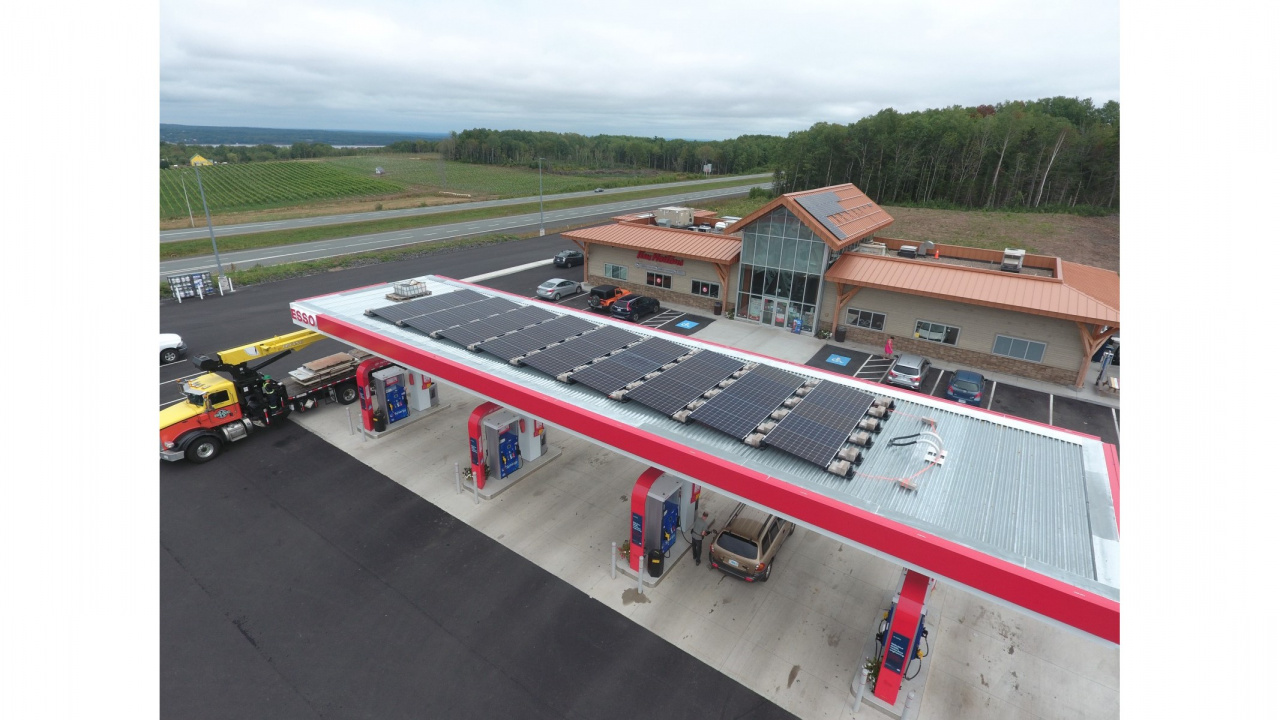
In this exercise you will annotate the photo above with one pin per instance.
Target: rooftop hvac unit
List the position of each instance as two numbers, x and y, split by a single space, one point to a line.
1012 260
907 251
872 248
927 248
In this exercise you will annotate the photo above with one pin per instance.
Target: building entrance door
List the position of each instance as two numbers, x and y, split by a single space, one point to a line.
779 318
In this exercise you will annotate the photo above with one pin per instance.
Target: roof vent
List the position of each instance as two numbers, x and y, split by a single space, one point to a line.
927 248
907 251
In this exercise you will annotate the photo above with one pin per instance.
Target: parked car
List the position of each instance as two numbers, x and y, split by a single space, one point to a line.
556 288
749 543
634 307
602 296
568 258
966 387
171 348
908 372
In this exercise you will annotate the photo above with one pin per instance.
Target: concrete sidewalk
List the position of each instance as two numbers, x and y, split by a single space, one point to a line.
798 639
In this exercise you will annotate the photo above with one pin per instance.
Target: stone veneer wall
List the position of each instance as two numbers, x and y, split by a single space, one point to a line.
977 360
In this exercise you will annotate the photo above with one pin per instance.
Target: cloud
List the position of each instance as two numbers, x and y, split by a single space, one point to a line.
707 70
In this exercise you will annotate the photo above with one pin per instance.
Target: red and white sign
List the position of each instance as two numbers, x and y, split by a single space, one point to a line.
655 257
301 317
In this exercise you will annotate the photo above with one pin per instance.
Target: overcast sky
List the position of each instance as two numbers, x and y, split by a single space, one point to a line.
700 70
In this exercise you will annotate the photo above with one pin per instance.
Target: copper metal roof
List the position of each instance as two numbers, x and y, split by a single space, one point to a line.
667 241
840 214
1085 294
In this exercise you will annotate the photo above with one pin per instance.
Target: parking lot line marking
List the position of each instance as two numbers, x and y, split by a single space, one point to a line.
1116 420
992 399
934 389
1050 408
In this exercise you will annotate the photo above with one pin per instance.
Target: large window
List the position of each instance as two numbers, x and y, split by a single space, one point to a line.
781 271
617 272
657 280
937 332
1019 348
706 289
864 319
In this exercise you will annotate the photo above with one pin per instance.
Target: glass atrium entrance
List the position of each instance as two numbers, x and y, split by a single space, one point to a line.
780 279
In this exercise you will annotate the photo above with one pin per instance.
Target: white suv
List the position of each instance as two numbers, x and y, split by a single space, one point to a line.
171 348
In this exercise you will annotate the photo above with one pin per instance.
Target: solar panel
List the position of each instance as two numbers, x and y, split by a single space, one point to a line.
400 312
746 403
807 439
684 383
449 317
815 429
616 372
490 327
566 356
536 337
834 405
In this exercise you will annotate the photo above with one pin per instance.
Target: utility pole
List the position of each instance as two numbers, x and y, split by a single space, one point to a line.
209 220
183 177
542 228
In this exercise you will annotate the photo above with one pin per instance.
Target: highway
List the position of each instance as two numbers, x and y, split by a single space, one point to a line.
515 224
202 231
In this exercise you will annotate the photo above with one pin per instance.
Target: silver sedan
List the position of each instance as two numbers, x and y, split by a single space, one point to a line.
556 288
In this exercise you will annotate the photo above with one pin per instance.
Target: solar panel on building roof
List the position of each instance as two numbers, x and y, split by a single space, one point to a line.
684 383
566 356
536 337
746 403
618 371
822 206
400 312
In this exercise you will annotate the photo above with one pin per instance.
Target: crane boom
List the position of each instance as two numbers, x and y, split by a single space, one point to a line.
236 360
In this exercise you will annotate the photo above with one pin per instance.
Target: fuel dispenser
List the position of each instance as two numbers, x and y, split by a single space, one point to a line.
902 640
391 394
389 387
661 506
503 442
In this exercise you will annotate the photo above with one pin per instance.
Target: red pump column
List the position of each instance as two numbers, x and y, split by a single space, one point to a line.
363 373
639 494
475 429
900 638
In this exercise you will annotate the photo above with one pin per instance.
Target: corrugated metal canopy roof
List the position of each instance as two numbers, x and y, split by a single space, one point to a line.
1085 294
1032 497
691 244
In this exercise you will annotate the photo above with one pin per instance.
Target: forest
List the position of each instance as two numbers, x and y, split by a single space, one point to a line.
1053 154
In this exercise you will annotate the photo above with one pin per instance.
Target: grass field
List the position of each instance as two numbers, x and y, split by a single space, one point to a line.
237 189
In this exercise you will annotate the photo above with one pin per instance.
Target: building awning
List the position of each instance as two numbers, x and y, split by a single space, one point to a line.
1082 294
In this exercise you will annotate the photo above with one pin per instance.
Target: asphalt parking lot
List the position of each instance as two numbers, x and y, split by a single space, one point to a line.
297 582
1042 407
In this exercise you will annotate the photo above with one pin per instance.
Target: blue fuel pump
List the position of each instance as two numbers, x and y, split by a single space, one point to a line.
397 407
508 454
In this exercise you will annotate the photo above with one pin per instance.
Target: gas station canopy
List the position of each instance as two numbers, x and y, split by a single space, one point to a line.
1020 511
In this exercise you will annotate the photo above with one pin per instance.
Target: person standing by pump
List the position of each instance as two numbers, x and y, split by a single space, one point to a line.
701 526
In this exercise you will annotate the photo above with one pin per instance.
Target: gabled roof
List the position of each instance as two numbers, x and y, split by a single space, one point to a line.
841 214
667 241
1085 294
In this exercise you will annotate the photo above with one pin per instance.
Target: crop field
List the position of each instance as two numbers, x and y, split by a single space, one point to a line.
256 186
428 173
250 187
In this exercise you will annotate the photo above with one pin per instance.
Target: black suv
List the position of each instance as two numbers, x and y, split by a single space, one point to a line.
634 307
568 258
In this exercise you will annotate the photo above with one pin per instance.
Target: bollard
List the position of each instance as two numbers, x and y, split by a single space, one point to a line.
351 424
613 561
861 685
640 575
475 487
457 480
908 703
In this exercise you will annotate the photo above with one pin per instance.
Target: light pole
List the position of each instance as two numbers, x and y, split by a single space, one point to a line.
542 229
209 220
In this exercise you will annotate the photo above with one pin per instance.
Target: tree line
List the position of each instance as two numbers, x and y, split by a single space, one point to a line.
1050 154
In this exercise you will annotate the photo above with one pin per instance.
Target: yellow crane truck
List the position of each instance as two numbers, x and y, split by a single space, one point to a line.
217 410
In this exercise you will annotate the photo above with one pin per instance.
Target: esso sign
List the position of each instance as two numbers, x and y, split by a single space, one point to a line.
302 317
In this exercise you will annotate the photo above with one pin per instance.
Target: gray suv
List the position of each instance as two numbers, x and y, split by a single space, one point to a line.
908 371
